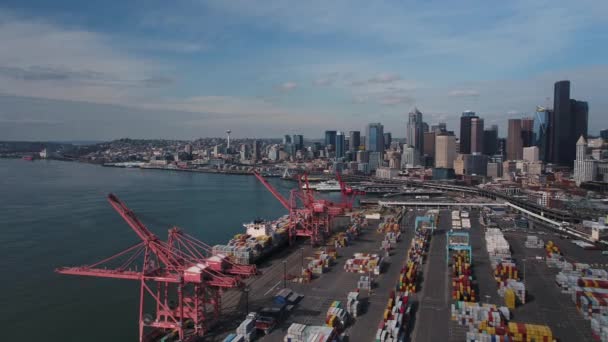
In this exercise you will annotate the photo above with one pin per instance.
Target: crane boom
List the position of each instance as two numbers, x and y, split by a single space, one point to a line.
273 191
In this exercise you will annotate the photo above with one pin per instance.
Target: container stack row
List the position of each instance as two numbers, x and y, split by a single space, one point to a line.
364 263
396 317
487 322
336 316
588 288
353 305
506 272
532 241
462 278
309 333
246 330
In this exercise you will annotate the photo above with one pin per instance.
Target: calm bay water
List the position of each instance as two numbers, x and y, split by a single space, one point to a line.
55 214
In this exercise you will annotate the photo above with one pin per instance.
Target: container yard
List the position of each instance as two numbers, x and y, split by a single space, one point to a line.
395 275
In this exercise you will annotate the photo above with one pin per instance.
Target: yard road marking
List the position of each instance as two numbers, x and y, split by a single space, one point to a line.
272 288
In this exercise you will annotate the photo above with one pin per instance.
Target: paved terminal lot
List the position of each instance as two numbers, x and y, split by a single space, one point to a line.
545 303
432 302
318 295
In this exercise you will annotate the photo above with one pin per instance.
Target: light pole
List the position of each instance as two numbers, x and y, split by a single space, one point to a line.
247 300
302 256
284 274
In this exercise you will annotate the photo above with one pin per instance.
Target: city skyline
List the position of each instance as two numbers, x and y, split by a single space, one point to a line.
181 71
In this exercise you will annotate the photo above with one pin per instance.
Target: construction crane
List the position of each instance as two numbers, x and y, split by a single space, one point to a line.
349 195
189 280
308 217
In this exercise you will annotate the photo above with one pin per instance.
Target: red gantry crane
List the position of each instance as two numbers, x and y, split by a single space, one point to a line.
310 220
180 277
349 195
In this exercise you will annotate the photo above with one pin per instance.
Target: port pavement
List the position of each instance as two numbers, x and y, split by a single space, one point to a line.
318 295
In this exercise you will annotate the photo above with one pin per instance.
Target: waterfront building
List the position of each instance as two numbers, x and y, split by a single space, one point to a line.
375 160
387 172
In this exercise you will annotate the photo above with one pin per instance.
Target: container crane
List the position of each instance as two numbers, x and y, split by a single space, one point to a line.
349 195
189 282
312 220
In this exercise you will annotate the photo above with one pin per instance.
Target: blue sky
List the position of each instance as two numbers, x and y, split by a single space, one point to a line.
101 70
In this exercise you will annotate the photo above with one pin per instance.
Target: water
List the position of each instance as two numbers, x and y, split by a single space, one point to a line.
55 214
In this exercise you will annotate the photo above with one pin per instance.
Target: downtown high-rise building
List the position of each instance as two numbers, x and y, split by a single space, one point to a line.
415 131
429 144
354 140
445 150
490 140
465 131
514 140
570 122
440 127
340 145
374 141
527 132
542 133
388 138
330 138
298 141
476 135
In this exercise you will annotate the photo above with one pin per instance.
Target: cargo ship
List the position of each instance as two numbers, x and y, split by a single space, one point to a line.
260 239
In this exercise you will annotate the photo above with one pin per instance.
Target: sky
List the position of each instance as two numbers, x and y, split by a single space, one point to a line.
82 70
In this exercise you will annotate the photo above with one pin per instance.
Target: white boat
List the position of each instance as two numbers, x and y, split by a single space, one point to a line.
330 185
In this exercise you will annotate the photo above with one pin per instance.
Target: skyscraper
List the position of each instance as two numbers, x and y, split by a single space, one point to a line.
354 140
476 135
286 139
388 138
330 138
561 109
340 147
527 132
440 127
445 150
570 122
514 140
298 142
255 153
415 131
429 144
465 131
542 131
374 141
490 141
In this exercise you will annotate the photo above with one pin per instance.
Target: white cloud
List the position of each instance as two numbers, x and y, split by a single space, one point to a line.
288 86
41 59
464 93
384 78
